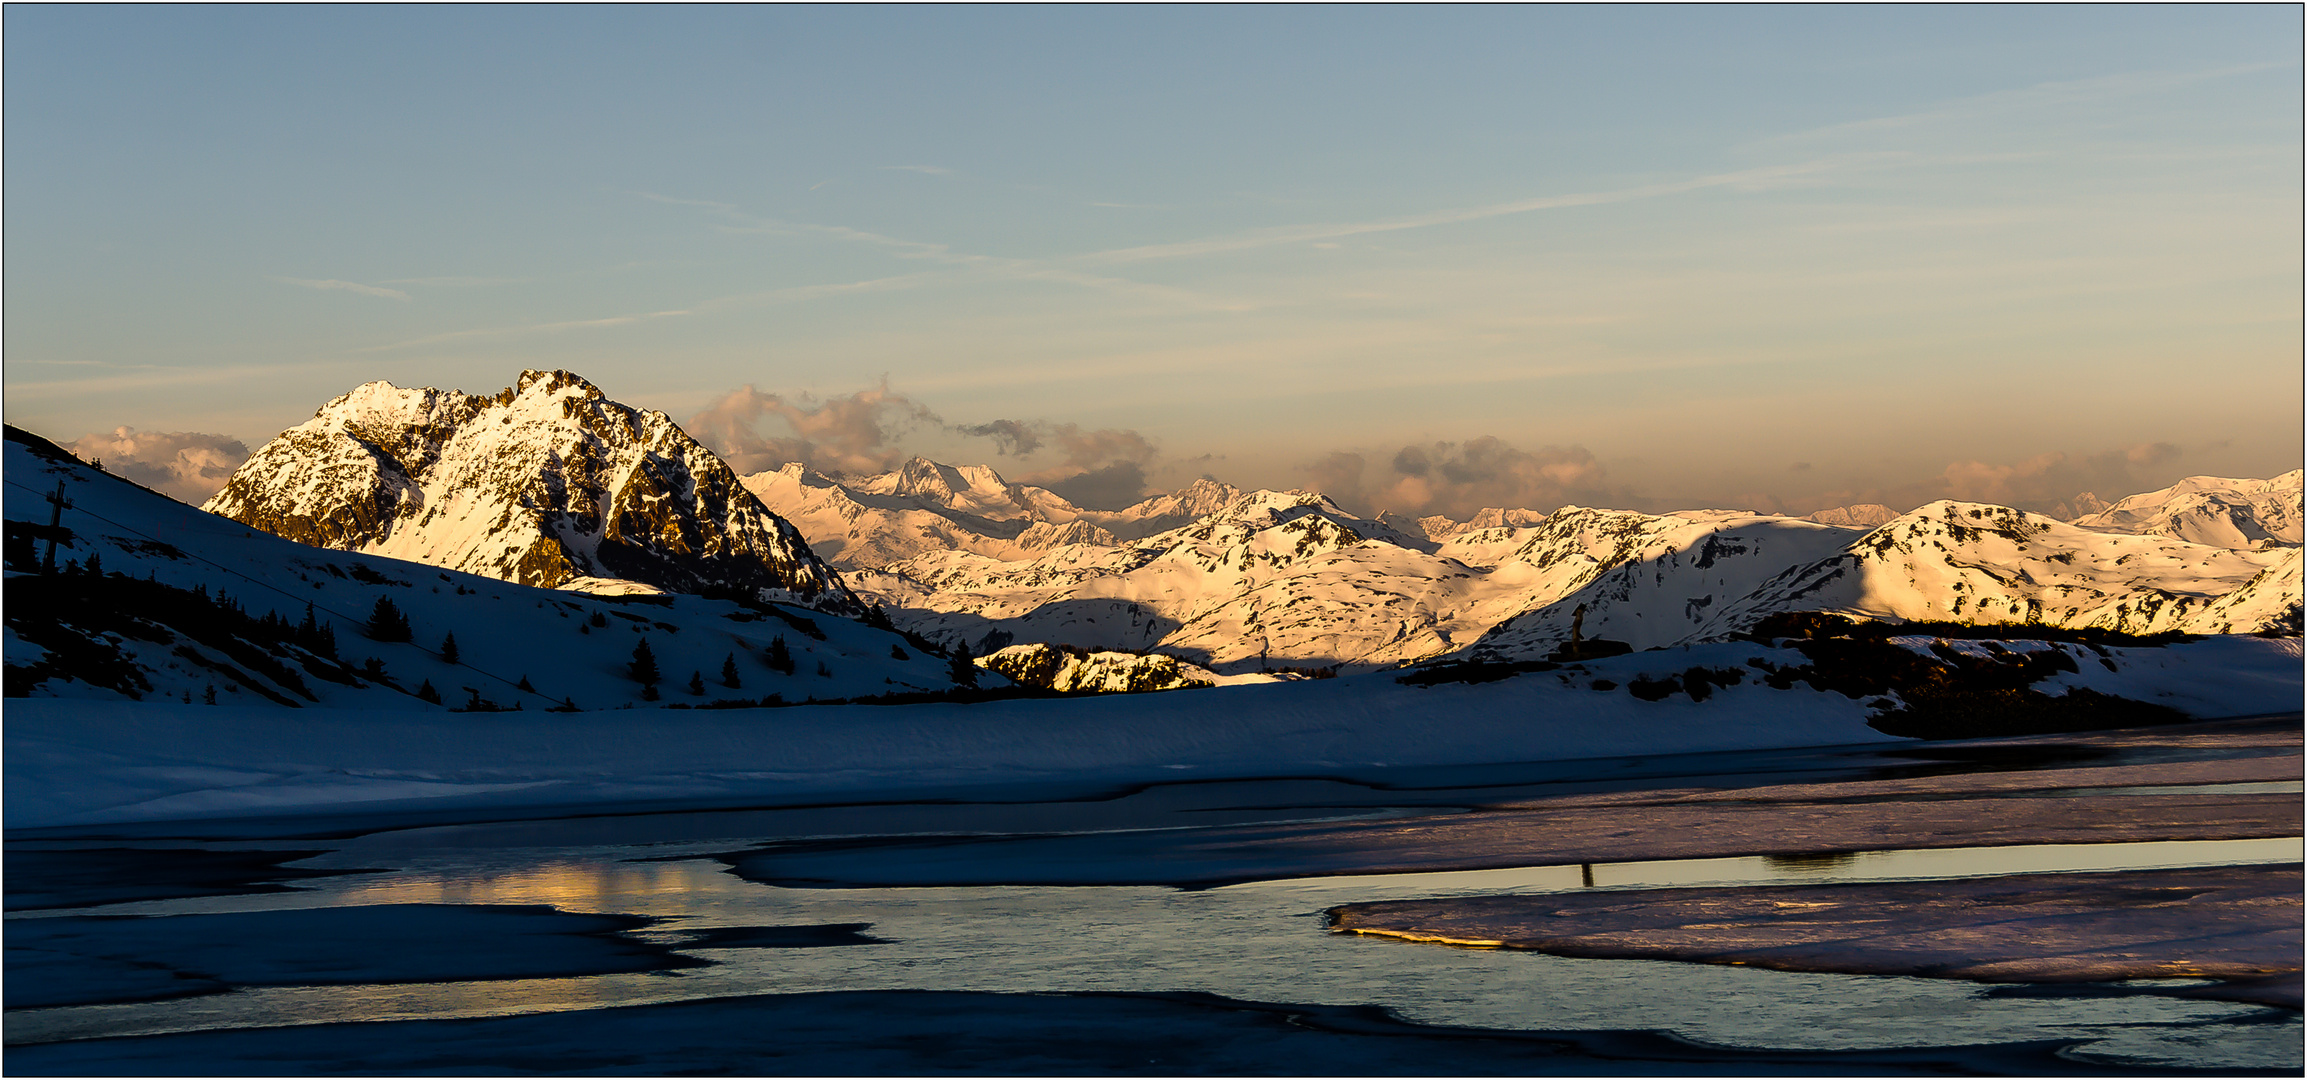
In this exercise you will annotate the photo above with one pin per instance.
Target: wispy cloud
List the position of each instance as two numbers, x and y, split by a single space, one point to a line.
2023 99
992 266
1769 176
527 328
332 284
457 282
147 377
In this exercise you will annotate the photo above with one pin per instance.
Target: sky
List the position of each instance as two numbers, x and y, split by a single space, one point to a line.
1422 259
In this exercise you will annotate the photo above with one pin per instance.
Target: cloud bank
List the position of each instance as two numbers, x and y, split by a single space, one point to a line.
1459 479
867 432
2056 484
186 465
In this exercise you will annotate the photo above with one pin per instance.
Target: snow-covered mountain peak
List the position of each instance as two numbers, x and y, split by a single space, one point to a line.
541 483
973 488
2211 510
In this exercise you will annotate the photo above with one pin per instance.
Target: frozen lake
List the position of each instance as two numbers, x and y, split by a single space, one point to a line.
842 949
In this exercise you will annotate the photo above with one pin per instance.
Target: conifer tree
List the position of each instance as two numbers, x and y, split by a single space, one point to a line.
426 692
385 621
729 673
697 684
645 666
449 648
524 683
780 657
963 669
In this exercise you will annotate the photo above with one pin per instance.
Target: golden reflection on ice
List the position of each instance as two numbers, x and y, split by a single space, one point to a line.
572 885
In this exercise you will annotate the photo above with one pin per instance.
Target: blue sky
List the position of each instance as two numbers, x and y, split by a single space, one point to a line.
1770 257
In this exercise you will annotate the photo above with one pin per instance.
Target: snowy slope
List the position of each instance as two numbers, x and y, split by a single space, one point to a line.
1644 580
543 483
2211 510
1970 562
1279 579
1288 579
140 631
2269 601
89 762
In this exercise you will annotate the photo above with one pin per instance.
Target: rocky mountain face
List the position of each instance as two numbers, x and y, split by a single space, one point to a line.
923 507
546 483
153 600
2211 510
1078 671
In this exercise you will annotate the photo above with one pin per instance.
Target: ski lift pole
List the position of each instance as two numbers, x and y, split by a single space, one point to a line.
57 504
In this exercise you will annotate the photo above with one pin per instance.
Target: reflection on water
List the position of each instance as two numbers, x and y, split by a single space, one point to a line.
1811 864
566 883
1257 941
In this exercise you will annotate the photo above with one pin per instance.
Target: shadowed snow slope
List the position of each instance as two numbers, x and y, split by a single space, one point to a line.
86 762
541 483
181 610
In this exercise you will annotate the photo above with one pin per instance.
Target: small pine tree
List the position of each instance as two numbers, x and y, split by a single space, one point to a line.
729 673
524 684
210 695
373 667
696 684
600 619
95 564
645 666
449 648
823 672
426 692
780 657
385 621
963 668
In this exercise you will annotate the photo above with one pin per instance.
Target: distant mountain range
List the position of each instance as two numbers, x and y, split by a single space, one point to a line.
550 486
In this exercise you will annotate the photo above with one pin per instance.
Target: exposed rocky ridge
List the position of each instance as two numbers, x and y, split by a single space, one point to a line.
543 483
1079 671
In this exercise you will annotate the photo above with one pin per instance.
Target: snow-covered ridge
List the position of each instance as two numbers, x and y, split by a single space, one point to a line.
1288 578
153 625
2211 510
543 483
